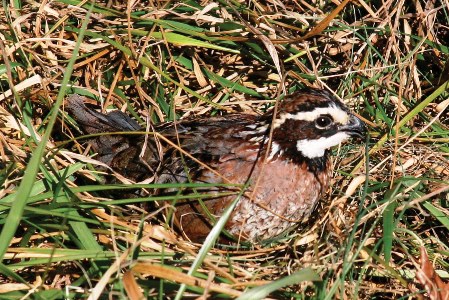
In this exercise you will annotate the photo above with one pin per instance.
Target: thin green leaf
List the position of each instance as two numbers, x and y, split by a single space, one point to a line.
419 108
231 84
39 187
441 216
261 292
210 240
182 40
26 185
389 222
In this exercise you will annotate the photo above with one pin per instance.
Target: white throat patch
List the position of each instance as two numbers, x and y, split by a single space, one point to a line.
339 115
316 148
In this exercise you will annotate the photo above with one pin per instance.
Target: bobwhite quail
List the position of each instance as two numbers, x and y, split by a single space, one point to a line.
286 175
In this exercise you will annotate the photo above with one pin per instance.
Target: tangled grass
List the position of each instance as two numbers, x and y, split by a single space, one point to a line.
63 237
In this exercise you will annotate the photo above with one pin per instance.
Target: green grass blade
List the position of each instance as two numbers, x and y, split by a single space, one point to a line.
26 185
437 213
182 40
414 112
210 240
38 187
261 292
9 272
388 223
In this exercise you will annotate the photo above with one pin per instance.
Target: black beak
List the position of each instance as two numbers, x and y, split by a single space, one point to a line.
355 127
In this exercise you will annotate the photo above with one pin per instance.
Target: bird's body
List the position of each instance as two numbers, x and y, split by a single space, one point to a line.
286 175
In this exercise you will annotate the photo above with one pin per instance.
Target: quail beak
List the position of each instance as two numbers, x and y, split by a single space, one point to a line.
355 127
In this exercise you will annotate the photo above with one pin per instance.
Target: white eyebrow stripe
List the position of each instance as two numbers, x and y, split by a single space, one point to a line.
339 115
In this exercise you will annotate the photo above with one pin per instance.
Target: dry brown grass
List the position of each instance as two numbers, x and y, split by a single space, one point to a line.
165 60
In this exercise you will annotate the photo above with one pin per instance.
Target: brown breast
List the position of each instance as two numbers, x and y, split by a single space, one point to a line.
285 195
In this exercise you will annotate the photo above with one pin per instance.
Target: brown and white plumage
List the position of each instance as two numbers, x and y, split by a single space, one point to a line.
291 175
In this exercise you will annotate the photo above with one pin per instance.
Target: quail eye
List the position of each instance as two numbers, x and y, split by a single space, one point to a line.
323 121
